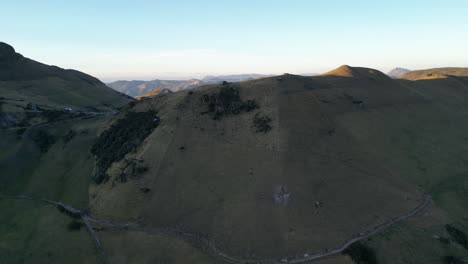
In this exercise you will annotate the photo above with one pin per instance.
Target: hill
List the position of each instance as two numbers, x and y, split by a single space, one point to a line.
397 72
318 159
357 73
32 93
276 169
24 79
435 73
154 93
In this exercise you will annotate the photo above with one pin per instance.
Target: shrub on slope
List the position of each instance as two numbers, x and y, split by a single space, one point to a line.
123 137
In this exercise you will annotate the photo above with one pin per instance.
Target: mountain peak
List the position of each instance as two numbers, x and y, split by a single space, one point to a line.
397 72
356 72
343 70
6 50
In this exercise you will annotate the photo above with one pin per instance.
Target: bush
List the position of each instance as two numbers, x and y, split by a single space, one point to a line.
444 240
145 189
20 132
140 169
261 123
65 211
452 260
44 140
226 102
54 115
74 225
361 254
69 136
250 105
133 168
25 121
123 137
457 235
29 106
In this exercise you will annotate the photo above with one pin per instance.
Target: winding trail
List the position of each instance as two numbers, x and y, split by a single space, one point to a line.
72 212
208 245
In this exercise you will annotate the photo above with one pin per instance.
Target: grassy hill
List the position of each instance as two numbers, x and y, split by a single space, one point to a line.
361 146
25 80
155 92
435 73
269 168
32 93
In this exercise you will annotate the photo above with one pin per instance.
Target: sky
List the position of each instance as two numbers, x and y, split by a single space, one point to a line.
190 39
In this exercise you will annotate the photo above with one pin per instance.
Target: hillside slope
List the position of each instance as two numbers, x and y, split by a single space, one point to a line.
155 92
320 159
435 73
358 73
49 121
22 79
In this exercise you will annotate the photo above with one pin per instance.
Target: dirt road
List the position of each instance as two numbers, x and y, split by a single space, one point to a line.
209 246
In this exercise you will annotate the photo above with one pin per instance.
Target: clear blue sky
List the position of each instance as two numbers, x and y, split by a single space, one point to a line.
149 39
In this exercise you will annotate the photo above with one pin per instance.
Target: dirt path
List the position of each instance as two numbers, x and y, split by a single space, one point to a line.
209 246
71 211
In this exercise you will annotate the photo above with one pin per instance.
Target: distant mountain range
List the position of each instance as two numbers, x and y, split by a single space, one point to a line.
233 78
397 72
139 88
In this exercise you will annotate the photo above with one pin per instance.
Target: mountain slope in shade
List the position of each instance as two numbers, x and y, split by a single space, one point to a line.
397 72
344 145
25 79
436 73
